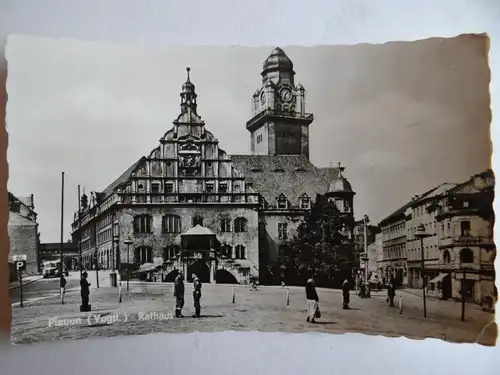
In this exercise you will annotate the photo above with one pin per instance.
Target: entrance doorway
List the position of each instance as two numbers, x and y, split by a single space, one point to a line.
201 269
446 287
225 277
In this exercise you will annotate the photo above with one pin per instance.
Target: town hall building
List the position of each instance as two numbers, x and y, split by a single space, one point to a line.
189 206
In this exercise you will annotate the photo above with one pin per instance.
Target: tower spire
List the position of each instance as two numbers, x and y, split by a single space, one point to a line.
188 94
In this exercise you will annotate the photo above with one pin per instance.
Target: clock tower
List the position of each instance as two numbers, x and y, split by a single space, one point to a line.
280 124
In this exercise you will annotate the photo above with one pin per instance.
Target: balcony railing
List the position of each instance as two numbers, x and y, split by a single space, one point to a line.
192 198
286 114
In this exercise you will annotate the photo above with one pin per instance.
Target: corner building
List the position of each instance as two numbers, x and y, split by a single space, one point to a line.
190 206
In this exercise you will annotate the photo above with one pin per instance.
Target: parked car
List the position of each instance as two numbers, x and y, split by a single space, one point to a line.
53 269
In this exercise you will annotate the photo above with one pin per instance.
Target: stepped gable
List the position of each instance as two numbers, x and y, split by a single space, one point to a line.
291 175
120 180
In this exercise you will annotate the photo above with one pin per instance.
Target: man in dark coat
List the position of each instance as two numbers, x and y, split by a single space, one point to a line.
391 292
311 300
62 285
196 295
345 294
84 292
179 295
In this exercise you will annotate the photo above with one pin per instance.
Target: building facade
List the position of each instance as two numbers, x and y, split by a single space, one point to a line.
393 262
189 206
458 221
23 231
464 222
379 253
421 215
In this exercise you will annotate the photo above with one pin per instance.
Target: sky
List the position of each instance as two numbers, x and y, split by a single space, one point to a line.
401 117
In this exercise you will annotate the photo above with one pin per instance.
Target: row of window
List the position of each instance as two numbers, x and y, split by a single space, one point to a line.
144 254
106 235
106 220
430 228
283 204
209 187
259 138
172 224
430 252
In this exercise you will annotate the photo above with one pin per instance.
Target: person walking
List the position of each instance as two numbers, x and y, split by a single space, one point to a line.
345 294
196 295
391 292
311 300
84 292
62 285
179 295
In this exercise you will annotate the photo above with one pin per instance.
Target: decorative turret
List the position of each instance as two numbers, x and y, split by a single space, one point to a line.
340 192
188 95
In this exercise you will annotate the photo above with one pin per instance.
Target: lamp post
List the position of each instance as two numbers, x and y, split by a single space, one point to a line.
116 241
366 220
128 242
421 234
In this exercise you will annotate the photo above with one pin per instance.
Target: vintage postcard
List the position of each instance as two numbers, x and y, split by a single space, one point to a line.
282 188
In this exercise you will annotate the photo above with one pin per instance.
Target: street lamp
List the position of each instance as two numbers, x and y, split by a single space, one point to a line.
116 242
365 221
128 242
421 233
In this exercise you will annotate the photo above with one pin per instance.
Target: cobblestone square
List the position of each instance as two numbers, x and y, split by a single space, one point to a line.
264 310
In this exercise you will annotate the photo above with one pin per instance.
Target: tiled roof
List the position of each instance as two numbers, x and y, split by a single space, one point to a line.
437 191
485 174
123 178
291 175
434 192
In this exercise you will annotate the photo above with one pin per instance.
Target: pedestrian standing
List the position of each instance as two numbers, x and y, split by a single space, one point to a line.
179 295
196 295
311 300
62 285
84 292
345 294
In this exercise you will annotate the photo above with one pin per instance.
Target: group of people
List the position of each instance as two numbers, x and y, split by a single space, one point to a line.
312 299
179 295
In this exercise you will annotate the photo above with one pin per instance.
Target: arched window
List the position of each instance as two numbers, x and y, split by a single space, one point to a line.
240 225
143 254
225 225
171 252
171 224
446 257
240 252
197 220
227 251
142 223
466 256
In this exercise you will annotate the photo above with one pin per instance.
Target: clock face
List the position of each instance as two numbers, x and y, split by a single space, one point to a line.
263 97
286 95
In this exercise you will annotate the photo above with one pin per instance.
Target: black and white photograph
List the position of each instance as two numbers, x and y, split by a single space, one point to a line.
334 189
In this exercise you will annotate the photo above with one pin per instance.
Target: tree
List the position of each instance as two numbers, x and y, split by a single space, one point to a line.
323 245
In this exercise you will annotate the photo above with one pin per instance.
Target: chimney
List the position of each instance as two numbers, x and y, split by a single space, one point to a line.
32 202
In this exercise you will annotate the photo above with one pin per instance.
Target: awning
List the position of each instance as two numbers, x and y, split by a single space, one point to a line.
198 230
438 278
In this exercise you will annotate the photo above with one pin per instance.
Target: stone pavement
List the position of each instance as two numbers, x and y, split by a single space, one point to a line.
264 310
